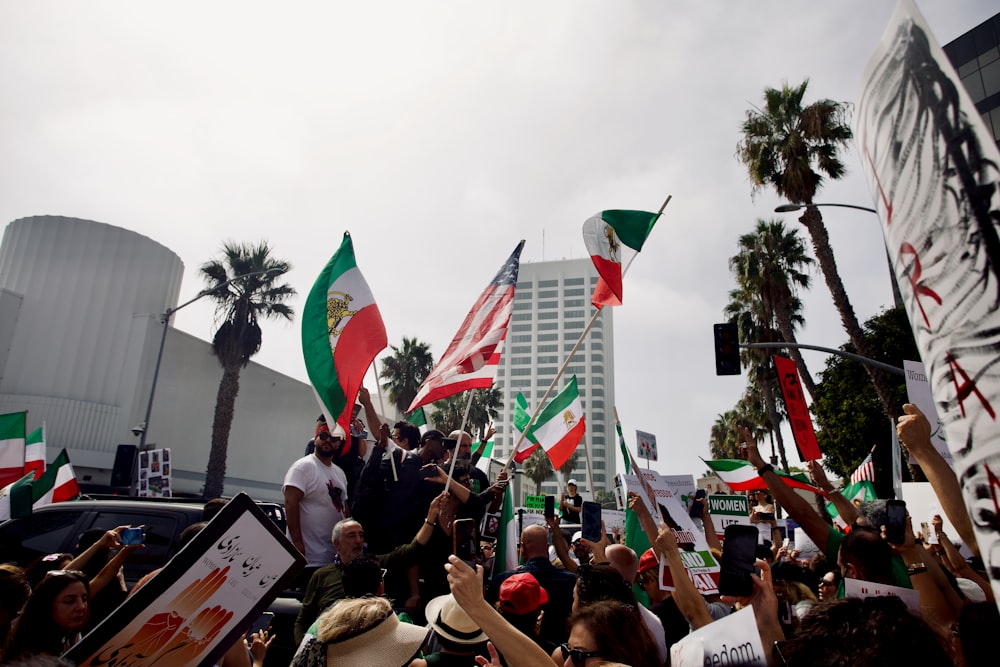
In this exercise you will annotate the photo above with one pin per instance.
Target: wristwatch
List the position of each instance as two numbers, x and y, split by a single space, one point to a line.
767 467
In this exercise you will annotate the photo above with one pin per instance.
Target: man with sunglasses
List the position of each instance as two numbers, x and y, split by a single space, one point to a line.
315 491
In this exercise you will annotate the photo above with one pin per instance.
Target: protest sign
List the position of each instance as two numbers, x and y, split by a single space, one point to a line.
804 545
857 588
534 502
727 510
918 392
647 445
699 562
733 640
203 600
798 412
154 473
931 166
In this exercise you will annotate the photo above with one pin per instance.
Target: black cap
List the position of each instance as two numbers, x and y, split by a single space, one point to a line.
432 434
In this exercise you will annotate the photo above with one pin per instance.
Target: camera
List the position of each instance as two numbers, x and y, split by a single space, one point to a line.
138 430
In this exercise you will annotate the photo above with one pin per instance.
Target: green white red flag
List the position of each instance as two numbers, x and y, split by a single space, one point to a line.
12 429
34 451
560 425
857 493
57 483
740 475
342 332
485 456
15 499
613 239
505 554
521 418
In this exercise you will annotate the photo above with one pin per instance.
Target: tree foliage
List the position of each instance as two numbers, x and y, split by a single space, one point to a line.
405 370
848 411
538 468
448 412
240 304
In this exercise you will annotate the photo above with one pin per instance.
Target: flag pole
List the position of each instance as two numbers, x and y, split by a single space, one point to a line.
454 454
381 405
555 380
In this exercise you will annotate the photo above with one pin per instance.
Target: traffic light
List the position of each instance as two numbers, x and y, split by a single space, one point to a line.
727 349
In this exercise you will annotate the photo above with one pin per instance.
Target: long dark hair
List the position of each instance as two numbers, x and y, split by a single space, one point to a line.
35 631
619 636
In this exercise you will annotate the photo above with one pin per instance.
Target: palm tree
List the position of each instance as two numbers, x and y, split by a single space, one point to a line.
538 468
448 412
771 265
566 470
405 370
239 305
790 148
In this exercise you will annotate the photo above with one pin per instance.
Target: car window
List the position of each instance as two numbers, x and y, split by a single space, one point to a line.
41 534
159 531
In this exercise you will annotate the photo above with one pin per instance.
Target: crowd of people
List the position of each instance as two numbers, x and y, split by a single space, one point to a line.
384 585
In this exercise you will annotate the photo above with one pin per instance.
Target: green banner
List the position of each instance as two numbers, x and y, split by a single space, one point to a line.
534 502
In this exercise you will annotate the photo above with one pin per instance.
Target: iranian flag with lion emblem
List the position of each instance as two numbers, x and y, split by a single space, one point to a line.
342 332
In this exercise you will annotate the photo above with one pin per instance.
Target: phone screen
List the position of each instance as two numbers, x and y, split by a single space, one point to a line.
262 623
895 521
463 533
591 521
550 506
738 558
131 536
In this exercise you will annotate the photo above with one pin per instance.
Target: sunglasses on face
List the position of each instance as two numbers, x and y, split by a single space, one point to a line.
579 656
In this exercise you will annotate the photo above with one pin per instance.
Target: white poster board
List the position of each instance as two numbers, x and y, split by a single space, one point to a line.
155 473
733 640
857 588
918 392
646 445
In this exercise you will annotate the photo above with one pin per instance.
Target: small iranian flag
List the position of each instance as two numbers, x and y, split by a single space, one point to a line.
613 239
57 483
342 332
521 419
741 476
34 451
506 549
12 427
15 499
419 419
561 425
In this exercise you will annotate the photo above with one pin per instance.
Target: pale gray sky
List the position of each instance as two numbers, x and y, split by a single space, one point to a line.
439 134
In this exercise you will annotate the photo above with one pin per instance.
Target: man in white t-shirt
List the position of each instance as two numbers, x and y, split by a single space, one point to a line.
315 491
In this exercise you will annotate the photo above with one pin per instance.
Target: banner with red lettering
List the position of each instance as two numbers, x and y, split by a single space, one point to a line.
798 411
932 167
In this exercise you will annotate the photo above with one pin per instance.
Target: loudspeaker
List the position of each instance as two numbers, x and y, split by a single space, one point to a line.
121 473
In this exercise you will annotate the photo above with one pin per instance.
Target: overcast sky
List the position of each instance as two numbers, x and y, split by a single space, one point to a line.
439 134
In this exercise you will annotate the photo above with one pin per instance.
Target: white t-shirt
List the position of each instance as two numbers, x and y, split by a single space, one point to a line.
655 627
323 504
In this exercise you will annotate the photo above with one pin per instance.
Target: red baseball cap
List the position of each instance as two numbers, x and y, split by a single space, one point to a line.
522 594
648 561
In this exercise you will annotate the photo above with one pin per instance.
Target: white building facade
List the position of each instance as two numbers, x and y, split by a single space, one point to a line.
551 310
80 305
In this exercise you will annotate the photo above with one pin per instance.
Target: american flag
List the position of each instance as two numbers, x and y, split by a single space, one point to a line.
865 471
472 358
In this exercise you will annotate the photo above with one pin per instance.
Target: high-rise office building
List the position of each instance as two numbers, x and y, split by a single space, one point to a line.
976 57
551 311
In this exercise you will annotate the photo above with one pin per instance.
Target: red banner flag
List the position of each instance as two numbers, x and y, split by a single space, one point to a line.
798 412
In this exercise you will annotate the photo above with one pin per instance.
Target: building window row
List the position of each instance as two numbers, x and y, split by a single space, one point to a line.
520 317
548 283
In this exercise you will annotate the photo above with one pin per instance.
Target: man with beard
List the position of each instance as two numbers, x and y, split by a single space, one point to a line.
315 491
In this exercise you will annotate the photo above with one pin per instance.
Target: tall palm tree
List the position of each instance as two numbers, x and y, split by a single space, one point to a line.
746 310
239 306
538 468
405 370
772 264
566 470
790 148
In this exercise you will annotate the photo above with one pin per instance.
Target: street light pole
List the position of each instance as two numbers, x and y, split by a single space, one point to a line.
897 297
165 320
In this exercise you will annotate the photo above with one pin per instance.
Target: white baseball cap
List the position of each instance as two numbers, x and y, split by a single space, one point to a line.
572 481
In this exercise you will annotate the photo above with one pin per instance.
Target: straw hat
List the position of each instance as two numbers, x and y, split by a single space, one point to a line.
450 621
387 644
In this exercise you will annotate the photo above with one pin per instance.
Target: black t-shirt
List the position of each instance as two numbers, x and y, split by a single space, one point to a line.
575 501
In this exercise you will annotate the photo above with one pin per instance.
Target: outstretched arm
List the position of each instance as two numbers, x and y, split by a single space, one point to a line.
800 511
914 431
848 512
